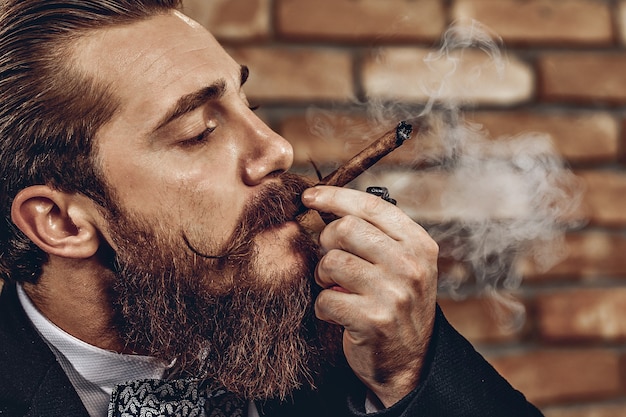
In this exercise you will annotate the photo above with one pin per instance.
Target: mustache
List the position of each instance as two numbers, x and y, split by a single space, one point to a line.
278 203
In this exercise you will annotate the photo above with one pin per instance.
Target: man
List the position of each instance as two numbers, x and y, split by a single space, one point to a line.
150 249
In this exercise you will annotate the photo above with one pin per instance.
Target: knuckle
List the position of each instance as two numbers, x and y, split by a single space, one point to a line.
345 229
431 248
330 261
347 224
383 320
324 237
418 262
408 266
400 299
417 272
327 308
372 205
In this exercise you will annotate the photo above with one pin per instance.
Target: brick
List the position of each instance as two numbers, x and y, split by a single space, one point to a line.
489 191
597 410
326 138
364 20
331 138
334 137
232 20
557 376
622 149
582 315
605 197
586 137
583 77
472 77
475 318
621 19
588 255
296 74
582 22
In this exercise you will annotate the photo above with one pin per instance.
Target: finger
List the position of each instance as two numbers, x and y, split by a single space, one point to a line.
344 201
337 307
358 237
344 270
360 314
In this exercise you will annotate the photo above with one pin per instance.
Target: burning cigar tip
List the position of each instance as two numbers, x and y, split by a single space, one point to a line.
403 132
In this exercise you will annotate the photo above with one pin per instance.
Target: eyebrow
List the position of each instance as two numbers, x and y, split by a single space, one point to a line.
190 102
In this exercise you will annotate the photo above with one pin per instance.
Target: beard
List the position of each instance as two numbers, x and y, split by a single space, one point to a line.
222 318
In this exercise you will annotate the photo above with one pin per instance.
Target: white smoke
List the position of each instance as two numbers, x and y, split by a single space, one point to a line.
505 201
489 203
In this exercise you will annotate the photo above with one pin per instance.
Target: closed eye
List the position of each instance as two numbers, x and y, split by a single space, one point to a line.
201 138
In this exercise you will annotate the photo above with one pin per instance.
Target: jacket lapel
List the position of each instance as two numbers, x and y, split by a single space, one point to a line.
32 383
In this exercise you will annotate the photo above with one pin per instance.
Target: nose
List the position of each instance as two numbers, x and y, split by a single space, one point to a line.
268 155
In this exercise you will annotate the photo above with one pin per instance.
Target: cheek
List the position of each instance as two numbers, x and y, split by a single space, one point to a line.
210 213
198 193
209 193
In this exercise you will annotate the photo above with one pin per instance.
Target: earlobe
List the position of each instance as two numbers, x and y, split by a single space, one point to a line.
59 223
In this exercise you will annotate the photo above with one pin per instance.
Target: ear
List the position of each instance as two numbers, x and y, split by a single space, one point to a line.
59 223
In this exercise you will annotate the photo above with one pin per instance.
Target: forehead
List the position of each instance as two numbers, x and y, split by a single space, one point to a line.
149 64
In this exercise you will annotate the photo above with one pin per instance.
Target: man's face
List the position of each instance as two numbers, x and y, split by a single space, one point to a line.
184 148
193 172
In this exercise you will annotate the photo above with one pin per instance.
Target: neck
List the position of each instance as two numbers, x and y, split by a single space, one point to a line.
75 297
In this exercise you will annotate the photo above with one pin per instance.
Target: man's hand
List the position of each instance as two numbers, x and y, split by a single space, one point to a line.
379 271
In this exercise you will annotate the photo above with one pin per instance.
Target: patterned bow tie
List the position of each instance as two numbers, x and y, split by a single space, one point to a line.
176 398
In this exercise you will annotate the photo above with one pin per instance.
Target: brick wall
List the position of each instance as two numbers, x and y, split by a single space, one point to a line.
565 75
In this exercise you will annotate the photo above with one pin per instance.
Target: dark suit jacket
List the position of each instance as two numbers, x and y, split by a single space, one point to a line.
457 380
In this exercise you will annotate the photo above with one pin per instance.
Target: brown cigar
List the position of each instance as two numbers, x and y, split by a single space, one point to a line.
369 156
366 158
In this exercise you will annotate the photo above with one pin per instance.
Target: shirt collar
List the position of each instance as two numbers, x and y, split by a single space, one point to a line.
101 367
